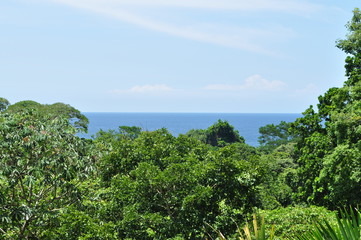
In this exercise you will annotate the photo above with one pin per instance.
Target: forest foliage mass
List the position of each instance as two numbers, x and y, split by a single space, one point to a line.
133 184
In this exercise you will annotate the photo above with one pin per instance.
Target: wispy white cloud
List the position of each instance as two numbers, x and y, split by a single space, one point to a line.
255 83
234 5
238 36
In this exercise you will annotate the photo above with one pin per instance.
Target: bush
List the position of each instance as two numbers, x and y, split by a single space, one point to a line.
292 222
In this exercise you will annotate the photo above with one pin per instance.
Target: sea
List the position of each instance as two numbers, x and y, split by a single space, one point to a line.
247 124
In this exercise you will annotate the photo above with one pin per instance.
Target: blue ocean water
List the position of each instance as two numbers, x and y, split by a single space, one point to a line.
179 123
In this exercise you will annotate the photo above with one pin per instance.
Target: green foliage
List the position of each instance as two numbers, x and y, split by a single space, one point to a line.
23 106
219 134
222 133
273 136
79 121
341 176
292 222
259 231
74 224
348 227
165 187
4 103
281 176
310 123
256 232
200 134
328 155
41 166
82 221
124 132
328 149
152 185
352 43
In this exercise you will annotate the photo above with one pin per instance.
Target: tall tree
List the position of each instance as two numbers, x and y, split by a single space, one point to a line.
272 136
328 151
42 164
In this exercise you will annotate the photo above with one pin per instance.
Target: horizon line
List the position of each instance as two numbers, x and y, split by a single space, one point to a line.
196 112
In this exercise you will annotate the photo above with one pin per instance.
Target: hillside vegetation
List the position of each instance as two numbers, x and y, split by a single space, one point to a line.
206 184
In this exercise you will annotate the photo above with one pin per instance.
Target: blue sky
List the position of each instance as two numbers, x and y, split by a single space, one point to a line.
267 56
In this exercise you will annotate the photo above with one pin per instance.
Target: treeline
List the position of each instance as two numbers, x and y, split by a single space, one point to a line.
133 184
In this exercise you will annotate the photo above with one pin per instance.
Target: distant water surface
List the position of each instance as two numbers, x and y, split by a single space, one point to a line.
179 123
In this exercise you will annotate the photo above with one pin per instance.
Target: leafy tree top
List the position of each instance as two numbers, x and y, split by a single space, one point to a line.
42 164
273 136
56 109
219 134
328 151
352 43
4 103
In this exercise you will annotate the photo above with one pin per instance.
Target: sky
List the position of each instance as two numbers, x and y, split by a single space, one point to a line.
228 56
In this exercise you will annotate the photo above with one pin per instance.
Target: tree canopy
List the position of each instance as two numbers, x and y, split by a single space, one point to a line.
163 187
219 134
328 149
273 136
4 103
42 164
134 184
56 109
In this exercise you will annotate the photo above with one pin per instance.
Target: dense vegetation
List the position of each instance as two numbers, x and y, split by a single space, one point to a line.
133 184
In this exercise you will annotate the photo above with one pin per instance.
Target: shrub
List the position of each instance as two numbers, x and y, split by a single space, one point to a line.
291 222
